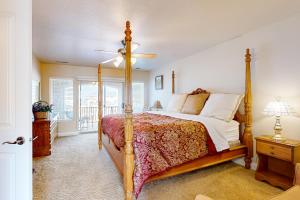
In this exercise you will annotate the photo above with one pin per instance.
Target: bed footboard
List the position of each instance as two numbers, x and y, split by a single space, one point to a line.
116 155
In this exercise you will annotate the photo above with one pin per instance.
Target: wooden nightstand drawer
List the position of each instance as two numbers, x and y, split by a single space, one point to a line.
273 150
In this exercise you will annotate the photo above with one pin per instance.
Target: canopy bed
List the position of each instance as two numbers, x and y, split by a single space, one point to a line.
130 146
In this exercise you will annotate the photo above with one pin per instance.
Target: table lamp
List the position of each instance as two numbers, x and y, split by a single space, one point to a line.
156 105
278 108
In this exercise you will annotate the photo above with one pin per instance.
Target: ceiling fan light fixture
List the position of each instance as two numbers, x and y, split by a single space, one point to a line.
134 46
117 63
121 53
119 59
133 61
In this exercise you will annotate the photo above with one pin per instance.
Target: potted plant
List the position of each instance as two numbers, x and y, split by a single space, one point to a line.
41 109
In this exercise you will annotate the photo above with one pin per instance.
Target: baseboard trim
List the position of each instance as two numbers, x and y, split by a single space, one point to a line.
65 134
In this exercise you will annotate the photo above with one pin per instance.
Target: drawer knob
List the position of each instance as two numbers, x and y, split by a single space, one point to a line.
272 153
271 147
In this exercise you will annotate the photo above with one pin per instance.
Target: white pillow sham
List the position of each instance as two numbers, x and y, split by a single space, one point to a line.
176 102
222 106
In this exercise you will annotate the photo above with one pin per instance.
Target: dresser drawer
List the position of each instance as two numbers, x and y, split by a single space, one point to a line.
276 151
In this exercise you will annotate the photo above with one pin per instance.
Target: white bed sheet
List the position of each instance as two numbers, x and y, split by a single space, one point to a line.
221 132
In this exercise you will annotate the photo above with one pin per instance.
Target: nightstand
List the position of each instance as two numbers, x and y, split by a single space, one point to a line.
277 160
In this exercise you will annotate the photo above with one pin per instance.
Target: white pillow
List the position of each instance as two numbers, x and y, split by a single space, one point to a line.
222 106
176 102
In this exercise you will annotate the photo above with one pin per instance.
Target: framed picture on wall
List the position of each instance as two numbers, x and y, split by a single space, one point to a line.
159 80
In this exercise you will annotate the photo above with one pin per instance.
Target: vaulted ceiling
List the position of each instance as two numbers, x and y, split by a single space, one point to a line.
71 30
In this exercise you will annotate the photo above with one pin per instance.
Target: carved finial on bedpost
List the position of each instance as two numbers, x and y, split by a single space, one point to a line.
128 32
99 107
247 136
173 82
129 157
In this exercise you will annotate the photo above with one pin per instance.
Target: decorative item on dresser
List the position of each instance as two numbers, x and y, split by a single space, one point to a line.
41 109
277 161
44 132
278 108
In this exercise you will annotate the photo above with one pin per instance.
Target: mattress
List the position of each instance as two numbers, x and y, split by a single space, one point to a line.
223 134
232 131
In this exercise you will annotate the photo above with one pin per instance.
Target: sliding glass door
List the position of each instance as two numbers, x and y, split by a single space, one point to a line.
88 103
138 95
88 106
112 98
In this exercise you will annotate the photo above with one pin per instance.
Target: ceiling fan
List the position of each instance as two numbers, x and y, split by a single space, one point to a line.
120 54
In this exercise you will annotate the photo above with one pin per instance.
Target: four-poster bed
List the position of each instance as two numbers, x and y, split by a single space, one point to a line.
123 156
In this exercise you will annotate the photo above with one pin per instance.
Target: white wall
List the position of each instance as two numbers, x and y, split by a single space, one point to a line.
36 69
275 72
36 77
83 73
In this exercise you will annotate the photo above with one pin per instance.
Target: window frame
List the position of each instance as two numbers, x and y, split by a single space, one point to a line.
51 96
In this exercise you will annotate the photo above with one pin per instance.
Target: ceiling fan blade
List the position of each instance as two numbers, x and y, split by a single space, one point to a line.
144 55
104 51
107 61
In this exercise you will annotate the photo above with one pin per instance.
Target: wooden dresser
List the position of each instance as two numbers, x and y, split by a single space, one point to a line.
43 133
277 161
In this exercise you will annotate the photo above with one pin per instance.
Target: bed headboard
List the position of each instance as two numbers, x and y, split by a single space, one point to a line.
244 119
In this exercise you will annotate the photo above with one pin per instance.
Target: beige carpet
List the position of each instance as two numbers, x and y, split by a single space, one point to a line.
78 170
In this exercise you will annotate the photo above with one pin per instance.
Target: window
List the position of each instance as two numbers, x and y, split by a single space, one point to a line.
62 98
35 95
138 97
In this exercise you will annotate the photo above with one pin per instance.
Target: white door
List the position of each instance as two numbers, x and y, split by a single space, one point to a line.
15 99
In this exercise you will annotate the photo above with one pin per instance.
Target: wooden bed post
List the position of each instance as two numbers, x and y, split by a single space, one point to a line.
99 107
247 136
129 157
173 82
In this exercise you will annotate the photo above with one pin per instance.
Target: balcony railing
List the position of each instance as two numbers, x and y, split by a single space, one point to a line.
108 110
88 116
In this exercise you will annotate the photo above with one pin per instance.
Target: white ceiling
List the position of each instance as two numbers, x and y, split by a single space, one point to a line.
70 30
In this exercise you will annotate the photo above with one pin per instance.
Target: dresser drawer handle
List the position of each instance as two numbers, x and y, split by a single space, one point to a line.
271 147
272 153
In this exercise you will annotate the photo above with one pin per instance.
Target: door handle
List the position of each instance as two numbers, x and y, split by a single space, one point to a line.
19 141
31 140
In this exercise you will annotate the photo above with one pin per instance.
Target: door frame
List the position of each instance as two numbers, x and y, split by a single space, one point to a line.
15 99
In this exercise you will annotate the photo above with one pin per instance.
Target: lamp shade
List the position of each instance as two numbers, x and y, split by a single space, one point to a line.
278 108
157 105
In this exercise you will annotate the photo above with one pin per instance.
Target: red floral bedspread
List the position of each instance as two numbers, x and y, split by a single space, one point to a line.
160 142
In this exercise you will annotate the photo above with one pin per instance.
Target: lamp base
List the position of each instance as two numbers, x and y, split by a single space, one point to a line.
277 129
278 138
